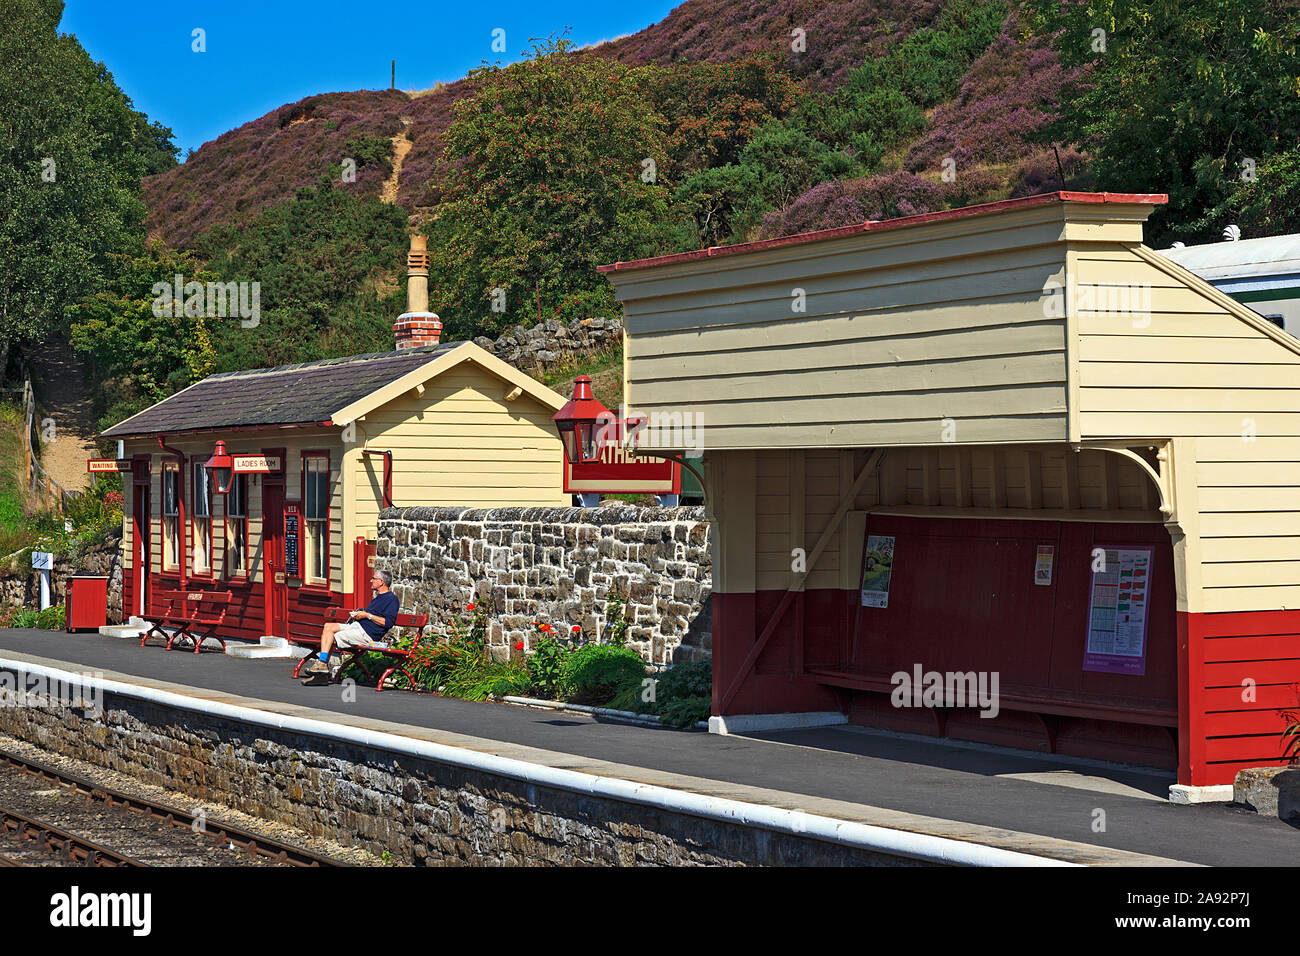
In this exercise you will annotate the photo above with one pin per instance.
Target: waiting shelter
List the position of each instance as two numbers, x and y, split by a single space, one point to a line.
1005 448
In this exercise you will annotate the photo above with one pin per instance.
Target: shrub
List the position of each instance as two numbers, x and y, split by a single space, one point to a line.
546 667
51 619
680 696
686 711
593 674
24 618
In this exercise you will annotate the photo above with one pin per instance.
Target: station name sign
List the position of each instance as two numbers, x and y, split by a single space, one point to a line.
256 464
620 470
101 465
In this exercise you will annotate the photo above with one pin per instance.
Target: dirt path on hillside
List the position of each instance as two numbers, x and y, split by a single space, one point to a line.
401 146
60 379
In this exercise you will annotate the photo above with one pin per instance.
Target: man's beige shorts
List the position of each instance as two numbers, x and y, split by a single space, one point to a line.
352 634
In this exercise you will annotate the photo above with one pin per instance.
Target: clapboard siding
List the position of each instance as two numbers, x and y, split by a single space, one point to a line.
1192 368
458 443
859 342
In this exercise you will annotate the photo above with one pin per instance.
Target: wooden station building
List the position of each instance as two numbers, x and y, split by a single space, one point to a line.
1007 439
319 449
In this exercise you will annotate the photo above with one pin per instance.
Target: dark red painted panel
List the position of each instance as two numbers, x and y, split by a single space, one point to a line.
962 598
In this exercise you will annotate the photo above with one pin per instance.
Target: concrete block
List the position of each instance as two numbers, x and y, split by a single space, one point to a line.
757 723
1187 795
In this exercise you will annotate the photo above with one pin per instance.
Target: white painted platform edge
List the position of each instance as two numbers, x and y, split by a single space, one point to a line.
920 846
1187 795
758 723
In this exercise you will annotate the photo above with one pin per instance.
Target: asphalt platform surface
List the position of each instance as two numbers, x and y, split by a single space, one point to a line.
992 787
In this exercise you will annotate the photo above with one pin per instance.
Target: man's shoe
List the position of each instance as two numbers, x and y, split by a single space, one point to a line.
317 672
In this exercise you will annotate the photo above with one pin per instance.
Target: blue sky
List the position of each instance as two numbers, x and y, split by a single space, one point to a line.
261 55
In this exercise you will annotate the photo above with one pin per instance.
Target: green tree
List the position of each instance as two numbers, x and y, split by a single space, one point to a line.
141 353
1266 203
1182 94
544 177
72 151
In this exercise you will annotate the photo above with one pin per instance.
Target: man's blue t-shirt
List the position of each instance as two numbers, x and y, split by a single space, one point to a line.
386 606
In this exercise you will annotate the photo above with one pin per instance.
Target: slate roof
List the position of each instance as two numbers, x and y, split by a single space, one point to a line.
284 395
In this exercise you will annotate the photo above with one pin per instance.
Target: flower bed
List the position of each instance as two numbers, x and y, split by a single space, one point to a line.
562 666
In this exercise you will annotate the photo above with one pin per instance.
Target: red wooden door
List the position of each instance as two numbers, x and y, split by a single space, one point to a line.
277 589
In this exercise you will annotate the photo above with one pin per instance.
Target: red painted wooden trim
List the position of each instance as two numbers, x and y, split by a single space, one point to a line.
1189 757
1248 623
961 213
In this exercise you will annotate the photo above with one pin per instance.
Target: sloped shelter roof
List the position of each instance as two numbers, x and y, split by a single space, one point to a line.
312 393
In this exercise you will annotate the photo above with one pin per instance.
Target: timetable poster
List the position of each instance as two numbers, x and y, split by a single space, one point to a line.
1119 600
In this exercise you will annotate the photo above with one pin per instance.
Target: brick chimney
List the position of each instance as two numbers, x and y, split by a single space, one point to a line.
417 326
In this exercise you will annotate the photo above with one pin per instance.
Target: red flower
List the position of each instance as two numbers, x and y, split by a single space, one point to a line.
547 628
576 629
469 607
519 645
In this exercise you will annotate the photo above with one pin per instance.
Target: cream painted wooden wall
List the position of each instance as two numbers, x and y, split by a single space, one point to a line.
900 331
460 443
1195 368
771 502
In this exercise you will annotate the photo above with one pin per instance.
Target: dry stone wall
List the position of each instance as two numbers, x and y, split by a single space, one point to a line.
558 565
21 586
553 343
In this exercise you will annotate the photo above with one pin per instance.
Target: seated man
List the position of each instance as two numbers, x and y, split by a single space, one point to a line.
363 627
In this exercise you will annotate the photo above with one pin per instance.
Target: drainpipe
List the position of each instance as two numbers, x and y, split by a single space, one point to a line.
180 508
388 473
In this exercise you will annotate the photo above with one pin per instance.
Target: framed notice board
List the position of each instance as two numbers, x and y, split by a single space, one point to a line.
292 541
1119 600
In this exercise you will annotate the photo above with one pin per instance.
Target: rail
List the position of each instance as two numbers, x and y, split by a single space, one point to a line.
263 846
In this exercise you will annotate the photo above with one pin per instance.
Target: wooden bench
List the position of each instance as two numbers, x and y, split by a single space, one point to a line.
194 614
349 654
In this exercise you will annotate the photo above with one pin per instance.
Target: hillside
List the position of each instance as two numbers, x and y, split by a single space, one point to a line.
1006 96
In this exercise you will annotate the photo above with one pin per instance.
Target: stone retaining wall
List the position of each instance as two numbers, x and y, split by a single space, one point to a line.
550 344
21 586
422 811
558 565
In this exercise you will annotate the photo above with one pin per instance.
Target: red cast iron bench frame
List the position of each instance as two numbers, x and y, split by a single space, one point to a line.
187 610
340 616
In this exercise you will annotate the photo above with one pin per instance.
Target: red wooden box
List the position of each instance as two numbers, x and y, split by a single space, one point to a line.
87 602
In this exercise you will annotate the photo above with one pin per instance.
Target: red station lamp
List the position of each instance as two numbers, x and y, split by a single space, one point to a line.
582 423
222 468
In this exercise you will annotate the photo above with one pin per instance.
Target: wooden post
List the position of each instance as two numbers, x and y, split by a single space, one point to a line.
393 84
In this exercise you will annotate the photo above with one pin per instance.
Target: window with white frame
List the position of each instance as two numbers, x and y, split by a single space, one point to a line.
171 527
315 508
237 528
201 561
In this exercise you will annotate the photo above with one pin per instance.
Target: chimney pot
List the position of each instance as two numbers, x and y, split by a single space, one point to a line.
417 326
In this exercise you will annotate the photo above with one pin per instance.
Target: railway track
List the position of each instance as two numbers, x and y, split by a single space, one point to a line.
70 848
79 851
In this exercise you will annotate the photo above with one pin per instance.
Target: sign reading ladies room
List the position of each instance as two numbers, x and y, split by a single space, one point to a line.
1118 611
